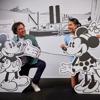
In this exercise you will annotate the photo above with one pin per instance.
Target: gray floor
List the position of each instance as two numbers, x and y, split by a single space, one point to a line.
51 89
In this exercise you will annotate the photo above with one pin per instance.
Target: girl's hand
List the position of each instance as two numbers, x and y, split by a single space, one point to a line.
63 46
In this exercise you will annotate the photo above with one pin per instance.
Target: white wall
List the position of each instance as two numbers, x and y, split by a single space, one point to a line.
49 44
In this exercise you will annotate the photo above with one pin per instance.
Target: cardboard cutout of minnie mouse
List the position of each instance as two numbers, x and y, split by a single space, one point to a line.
10 63
84 63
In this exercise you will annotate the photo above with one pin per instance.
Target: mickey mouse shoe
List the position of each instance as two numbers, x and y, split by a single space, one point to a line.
8 85
22 81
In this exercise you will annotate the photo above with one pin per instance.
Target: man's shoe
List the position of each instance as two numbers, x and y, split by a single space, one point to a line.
35 87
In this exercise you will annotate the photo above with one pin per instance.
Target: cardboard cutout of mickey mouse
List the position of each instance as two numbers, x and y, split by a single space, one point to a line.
84 62
10 62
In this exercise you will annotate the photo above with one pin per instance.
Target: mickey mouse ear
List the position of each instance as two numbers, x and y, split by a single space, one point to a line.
3 38
81 30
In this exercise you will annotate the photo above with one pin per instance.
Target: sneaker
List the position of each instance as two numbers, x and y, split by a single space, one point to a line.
35 87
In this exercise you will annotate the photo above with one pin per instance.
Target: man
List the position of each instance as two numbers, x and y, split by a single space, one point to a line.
18 29
73 24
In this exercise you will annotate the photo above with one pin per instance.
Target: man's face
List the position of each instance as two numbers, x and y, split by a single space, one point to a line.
21 30
71 27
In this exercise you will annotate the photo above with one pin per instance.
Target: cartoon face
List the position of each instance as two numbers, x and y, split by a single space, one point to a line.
10 48
76 47
82 42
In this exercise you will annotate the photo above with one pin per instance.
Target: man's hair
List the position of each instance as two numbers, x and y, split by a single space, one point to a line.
75 21
15 26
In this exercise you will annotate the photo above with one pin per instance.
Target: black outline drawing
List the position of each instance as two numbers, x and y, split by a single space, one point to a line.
84 63
10 62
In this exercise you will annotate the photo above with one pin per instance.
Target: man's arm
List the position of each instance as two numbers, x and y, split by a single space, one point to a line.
33 39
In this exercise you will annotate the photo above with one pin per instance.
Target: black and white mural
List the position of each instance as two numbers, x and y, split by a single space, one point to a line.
84 63
10 63
48 21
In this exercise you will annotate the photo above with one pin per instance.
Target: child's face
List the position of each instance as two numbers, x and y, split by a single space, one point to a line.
72 27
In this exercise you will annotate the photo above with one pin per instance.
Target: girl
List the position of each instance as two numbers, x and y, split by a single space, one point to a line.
73 24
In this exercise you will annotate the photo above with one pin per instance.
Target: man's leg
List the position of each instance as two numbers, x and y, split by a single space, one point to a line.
40 65
24 70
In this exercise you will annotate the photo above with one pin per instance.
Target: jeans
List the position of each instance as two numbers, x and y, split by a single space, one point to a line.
40 65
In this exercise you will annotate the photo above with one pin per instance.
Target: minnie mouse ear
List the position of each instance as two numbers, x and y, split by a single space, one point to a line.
93 42
81 30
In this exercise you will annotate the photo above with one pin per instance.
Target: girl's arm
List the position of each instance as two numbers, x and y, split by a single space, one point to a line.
98 36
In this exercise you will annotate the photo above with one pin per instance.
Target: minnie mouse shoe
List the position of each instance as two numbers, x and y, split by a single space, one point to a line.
82 86
93 86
